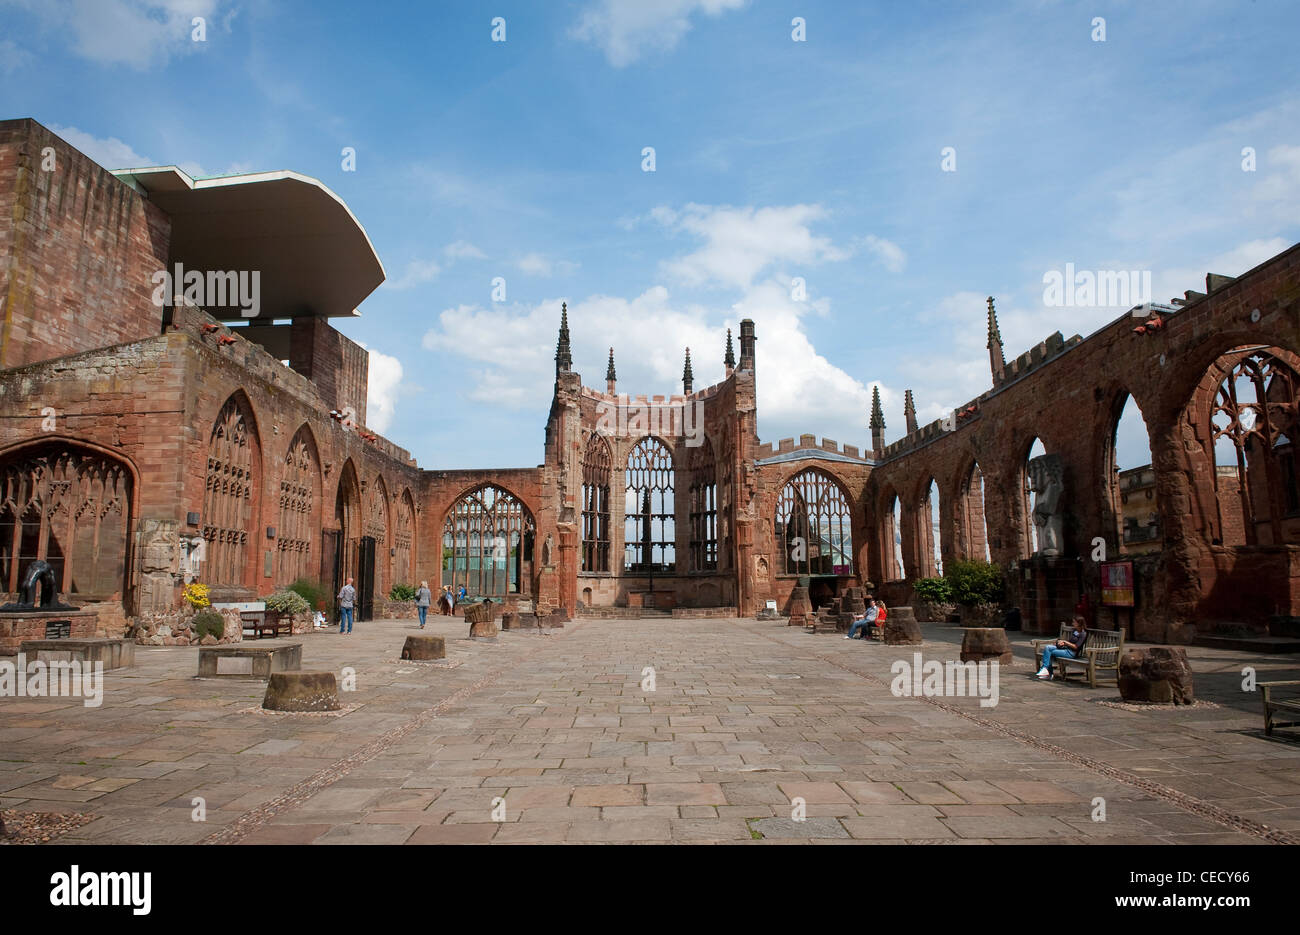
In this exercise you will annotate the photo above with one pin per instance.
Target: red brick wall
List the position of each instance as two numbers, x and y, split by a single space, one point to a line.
77 250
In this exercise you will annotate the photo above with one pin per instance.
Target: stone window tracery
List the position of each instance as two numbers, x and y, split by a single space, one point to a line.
228 497
650 525
596 467
69 507
814 526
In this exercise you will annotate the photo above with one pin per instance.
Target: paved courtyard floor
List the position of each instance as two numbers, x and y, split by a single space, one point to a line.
551 738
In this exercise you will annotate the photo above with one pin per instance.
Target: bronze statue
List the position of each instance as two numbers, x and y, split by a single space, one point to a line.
38 571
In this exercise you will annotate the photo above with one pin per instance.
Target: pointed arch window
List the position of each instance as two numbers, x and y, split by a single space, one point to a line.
814 526
69 507
650 526
596 467
1254 415
487 543
298 493
703 508
228 496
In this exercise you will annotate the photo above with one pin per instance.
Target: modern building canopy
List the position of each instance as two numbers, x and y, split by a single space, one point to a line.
312 255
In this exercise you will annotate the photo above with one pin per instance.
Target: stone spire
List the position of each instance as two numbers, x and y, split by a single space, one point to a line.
877 424
909 412
729 361
610 375
563 352
996 361
688 378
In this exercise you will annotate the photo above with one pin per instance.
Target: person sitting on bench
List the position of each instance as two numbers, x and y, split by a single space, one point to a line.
1069 647
866 620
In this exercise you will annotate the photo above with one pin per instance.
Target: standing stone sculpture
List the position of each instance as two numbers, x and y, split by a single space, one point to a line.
1046 478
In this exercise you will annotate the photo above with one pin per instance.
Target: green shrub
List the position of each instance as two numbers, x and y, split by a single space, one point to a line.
287 602
974 582
934 590
209 622
313 592
402 592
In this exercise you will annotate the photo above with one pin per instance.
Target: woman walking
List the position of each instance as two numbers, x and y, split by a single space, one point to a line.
423 598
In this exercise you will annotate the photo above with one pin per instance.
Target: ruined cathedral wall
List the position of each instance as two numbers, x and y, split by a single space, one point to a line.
1071 402
771 578
688 426
77 249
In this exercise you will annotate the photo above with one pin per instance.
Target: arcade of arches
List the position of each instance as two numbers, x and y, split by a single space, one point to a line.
222 460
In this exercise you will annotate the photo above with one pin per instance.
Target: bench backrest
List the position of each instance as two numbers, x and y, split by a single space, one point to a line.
1110 640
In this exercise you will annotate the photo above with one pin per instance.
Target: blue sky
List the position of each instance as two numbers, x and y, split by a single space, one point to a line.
774 159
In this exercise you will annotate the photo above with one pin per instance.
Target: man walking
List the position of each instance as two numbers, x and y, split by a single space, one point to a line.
347 595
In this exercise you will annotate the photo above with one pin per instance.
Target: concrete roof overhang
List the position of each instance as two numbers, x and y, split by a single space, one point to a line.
312 255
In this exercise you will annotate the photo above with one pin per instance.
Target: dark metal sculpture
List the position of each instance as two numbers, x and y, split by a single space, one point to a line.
40 572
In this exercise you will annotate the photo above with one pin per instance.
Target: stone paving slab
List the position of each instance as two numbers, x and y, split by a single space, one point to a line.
747 721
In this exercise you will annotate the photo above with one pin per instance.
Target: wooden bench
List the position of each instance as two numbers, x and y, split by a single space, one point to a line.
254 621
1101 650
1280 698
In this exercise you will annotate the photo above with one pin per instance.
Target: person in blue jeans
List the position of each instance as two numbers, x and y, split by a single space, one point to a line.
866 620
423 598
1070 647
347 595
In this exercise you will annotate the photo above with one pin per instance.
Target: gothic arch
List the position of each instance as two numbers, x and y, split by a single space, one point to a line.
650 520
597 475
71 504
378 517
488 541
231 498
971 523
404 570
299 509
347 516
813 524
703 507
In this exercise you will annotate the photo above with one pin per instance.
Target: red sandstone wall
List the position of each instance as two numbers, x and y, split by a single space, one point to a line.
77 250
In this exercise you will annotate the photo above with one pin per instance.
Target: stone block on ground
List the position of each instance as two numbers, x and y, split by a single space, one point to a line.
981 643
258 661
481 623
423 648
301 691
1159 675
113 653
901 628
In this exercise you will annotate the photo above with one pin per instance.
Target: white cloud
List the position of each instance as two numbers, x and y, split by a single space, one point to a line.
513 349
111 153
740 243
12 57
137 33
460 250
535 264
385 377
417 273
890 254
625 30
